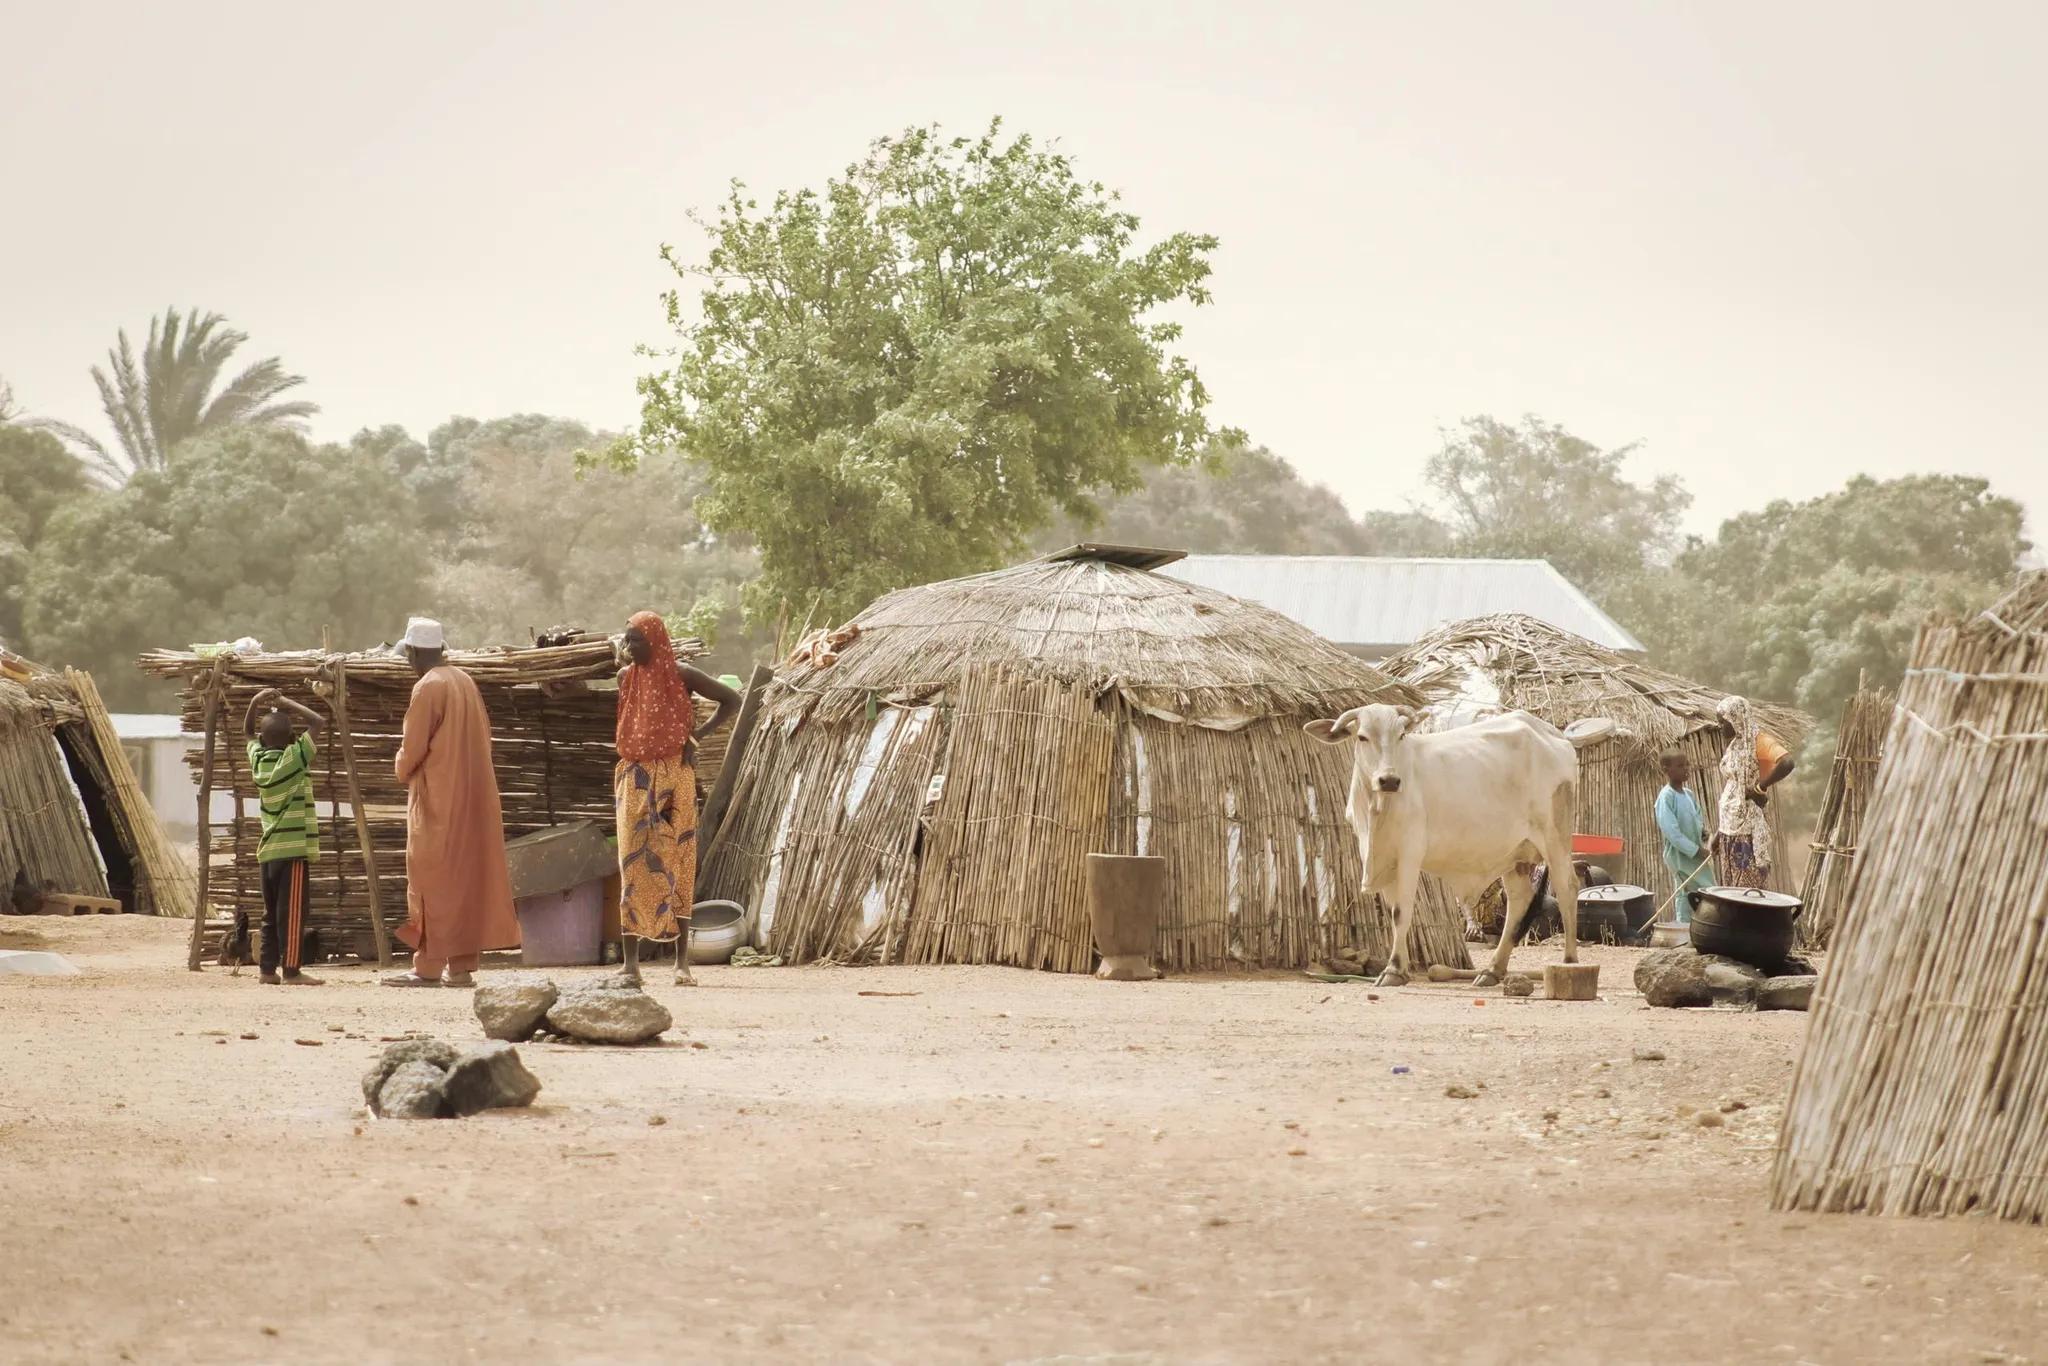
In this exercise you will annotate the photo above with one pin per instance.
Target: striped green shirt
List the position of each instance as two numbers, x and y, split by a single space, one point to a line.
284 795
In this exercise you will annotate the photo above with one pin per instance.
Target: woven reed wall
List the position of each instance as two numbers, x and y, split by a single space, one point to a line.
43 829
1838 828
1923 1085
840 834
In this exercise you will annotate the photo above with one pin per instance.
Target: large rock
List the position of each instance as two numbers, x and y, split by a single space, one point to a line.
488 1076
514 1011
609 1010
1786 993
413 1090
1683 976
437 1054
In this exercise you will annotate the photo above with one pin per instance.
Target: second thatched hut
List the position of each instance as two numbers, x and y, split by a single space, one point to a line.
930 793
1520 663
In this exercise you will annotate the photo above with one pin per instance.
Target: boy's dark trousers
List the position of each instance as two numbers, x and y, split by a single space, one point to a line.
284 914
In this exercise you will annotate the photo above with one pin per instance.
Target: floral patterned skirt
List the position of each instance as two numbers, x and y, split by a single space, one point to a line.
1739 867
657 813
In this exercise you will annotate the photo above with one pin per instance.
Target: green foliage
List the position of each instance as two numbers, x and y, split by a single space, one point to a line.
1245 500
168 396
1538 492
903 376
1800 598
37 477
249 532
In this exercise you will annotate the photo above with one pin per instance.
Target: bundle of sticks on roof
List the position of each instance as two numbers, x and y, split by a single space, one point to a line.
553 711
1923 1085
1859 746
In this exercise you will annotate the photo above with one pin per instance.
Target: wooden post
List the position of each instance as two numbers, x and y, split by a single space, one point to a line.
345 736
1126 894
735 750
1571 981
215 689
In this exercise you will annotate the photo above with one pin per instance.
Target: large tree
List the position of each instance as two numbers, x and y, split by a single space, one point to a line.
37 477
904 375
1537 491
248 532
172 392
1245 500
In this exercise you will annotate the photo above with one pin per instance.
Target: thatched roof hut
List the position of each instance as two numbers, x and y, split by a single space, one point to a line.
1519 663
553 712
73 820
931 794
1923 1085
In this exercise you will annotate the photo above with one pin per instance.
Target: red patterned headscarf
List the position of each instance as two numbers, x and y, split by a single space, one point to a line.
655 712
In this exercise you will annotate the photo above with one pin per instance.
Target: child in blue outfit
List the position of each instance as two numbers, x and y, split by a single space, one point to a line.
1686 842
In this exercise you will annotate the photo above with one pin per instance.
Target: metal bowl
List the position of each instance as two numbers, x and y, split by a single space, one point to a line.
717 928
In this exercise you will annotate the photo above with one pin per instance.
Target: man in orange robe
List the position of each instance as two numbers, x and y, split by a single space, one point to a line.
458 891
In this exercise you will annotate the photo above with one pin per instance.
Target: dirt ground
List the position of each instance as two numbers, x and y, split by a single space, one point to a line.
978 1165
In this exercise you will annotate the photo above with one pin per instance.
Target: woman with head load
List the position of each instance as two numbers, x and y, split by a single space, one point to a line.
655 789
1753 763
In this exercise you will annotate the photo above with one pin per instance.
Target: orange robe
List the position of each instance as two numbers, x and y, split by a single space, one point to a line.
458 892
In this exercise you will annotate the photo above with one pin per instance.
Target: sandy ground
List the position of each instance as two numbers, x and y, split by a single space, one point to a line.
998 1166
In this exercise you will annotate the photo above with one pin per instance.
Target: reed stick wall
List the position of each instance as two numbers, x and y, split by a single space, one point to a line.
957 831
43 832
1923 1084
1859 748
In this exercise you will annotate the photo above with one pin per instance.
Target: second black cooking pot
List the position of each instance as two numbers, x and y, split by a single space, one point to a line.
1748 923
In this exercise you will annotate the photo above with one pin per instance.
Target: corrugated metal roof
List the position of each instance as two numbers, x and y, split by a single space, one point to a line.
1369 603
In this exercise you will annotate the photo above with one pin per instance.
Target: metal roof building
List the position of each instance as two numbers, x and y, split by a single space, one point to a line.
1374 606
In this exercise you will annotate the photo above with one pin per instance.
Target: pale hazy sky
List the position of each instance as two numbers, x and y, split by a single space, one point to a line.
1780 243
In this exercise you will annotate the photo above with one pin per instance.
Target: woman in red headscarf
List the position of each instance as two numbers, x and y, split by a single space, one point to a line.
655 788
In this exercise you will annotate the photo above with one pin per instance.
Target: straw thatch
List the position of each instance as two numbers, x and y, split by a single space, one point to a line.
72 817
1859 746
931 795
552 710
1520 663
1923 1085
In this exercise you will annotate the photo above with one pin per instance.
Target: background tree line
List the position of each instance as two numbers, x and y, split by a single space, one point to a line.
955 354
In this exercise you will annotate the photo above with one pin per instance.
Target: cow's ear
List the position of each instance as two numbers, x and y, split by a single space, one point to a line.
1325 731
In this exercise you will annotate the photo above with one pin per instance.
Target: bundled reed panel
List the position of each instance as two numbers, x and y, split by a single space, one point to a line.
44 838
1859 747
1923 1085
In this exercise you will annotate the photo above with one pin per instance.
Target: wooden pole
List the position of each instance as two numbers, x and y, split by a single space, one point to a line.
735 750
345 736
214 692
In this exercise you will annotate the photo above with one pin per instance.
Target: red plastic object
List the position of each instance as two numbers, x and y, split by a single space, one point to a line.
1593 846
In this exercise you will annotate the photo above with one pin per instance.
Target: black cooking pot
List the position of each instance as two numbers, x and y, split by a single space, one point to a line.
1633 905
1747 923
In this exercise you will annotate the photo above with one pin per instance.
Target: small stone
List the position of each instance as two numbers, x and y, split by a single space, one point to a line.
656 1121
1649 1055
337 1029
250 1036
1460 1093
433 1052
1709 1119
609 1014
412 1090
310 1043
1870 1282
1785 993
513 1012
1729 1107
1550 1115
1297 1152
1518 984
413 1200
488 1076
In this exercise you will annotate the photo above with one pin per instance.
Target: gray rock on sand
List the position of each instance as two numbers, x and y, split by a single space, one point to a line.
610 1010
439 1055
488 1076
428 1079
1785 993
513 1012
1683 976
1518 984
412 1091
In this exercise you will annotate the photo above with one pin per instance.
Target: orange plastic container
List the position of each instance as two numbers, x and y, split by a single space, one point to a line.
1597 846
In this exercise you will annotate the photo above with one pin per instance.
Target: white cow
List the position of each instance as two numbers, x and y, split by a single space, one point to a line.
1483 801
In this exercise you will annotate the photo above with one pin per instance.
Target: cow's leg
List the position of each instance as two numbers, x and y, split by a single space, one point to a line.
1406 882
1520 889
1564 874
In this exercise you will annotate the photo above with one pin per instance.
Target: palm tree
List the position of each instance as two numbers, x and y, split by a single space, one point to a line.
167 396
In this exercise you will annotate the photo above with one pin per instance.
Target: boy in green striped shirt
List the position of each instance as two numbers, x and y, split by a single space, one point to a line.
282 765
